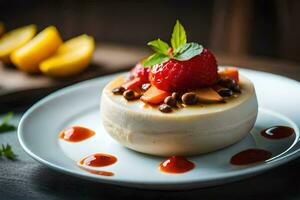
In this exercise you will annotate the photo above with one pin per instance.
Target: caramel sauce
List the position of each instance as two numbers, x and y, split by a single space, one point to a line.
277 132
98 160
76 134
250 156
176 165
101 173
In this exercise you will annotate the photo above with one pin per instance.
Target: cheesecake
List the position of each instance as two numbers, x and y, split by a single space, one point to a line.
178 101
190 130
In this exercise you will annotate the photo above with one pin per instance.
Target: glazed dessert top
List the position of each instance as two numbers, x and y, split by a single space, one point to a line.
247 91
183 77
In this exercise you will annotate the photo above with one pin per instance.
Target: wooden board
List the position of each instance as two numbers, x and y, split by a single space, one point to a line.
106 59
18 88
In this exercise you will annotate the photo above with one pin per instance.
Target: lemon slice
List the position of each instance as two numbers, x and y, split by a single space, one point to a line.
71 58
43 45
14 40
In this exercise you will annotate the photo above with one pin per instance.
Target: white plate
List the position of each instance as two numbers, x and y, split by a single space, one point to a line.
278 98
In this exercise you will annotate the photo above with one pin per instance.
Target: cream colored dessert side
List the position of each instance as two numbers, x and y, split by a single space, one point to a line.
188 131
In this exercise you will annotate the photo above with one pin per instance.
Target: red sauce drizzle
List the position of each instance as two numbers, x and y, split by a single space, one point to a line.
98 160
250 156
101 173
176 164
76 134
277 132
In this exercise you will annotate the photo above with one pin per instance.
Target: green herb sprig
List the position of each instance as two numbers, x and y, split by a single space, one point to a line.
179 50
6 150
5 126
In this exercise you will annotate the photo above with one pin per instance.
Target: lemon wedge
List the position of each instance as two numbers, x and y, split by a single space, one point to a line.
71 58
43 45
15 39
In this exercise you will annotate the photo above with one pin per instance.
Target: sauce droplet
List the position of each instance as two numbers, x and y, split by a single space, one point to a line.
250 156
97 172
176 164
76 134
98 160
277 132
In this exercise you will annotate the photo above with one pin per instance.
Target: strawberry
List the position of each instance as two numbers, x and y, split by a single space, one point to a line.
175 75
139 71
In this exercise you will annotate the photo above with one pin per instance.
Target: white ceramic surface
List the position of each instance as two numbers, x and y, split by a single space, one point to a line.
278 99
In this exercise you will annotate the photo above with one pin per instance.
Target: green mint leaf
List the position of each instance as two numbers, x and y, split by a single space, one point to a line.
187 51
7 117
8 152
159 46
5 126
155 59
178 36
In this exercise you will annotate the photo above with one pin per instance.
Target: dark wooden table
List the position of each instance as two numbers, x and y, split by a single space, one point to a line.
28 179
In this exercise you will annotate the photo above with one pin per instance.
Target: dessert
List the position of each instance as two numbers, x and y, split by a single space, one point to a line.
178 101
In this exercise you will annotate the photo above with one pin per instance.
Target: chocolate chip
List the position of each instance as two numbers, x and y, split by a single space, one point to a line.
227 82
170 101
177 96
146 86
225 92
165 108
236 89
118 90
189 98
129 95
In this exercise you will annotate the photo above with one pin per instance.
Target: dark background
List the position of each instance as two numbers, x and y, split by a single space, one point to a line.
249 27
263 35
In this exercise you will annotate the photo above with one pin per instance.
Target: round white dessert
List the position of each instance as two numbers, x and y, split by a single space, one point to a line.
187 131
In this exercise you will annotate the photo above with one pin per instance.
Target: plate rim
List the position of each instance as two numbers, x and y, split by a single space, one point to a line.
187 183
